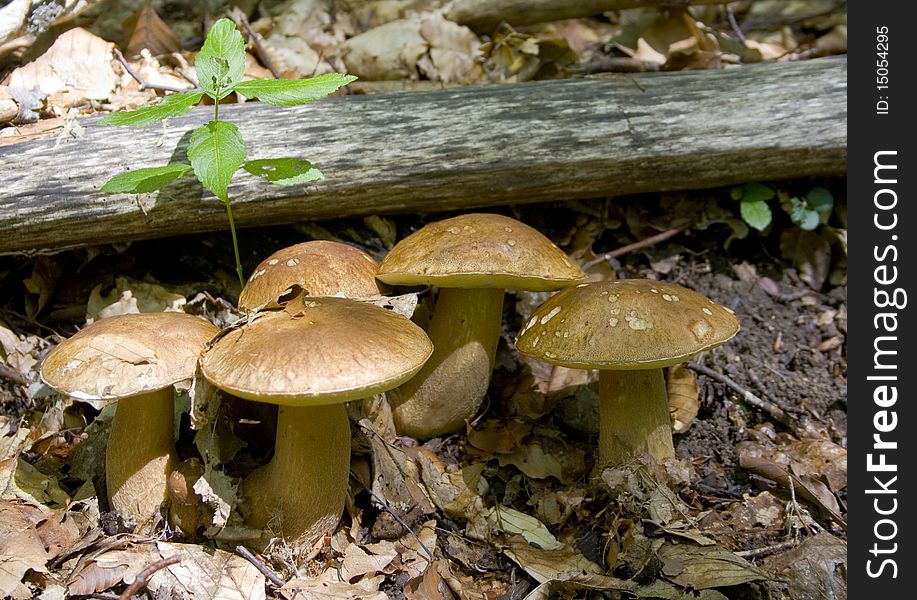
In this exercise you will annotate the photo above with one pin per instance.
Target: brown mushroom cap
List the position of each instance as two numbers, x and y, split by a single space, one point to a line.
320 267
317 351
127 355
479 251
626 324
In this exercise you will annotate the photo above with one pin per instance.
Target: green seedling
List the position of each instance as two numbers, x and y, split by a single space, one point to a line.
216 150
807 213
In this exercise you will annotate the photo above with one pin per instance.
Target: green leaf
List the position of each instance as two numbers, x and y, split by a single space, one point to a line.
801 214
820 200
289 92
736 193
216 151
756 213
221 62
168 107
807 219
284 171
141 181
754 192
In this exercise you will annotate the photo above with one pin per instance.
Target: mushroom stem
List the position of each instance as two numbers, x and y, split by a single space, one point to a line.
300 494
140 455
465 329
633 416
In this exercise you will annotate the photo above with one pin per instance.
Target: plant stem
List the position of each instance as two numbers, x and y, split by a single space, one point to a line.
232 225
235 243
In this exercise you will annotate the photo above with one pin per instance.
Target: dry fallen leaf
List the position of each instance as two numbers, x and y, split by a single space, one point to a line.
13 18
21 546
129 296
814 570
703 567
684 400
533 531
103 570
542 456
76 68
453 51
150 32
390 51
316 589
293 57
206 574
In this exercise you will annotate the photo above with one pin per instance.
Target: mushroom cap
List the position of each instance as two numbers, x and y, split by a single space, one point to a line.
128 354
320 267
479 251
626 325
317 351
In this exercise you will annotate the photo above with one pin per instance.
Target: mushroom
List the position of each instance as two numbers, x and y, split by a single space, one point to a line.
321 267
310 358
629 329
134 359
472 258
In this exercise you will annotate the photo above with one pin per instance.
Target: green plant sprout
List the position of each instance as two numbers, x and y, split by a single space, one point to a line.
807 213
216 150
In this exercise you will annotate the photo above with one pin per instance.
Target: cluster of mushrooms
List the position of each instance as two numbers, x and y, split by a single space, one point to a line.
315 351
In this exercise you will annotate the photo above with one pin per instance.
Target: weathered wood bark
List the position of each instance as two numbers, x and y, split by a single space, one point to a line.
486 15
449 149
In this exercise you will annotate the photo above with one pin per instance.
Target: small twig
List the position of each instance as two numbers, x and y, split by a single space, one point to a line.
58 337
388 509
143 84
644 243
766 550
143 576
734 24
242 21
265 570
770 408
12 375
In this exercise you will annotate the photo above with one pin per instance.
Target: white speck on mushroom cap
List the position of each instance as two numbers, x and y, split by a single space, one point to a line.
637 323
511 242
453 230
508 229
273 262
662 328
292 262
701 329
550 315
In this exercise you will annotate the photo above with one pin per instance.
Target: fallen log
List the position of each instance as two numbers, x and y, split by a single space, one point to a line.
459 148
485 15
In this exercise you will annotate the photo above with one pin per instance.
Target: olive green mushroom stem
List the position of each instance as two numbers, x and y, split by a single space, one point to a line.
633 416
450 387
141 455
307 479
